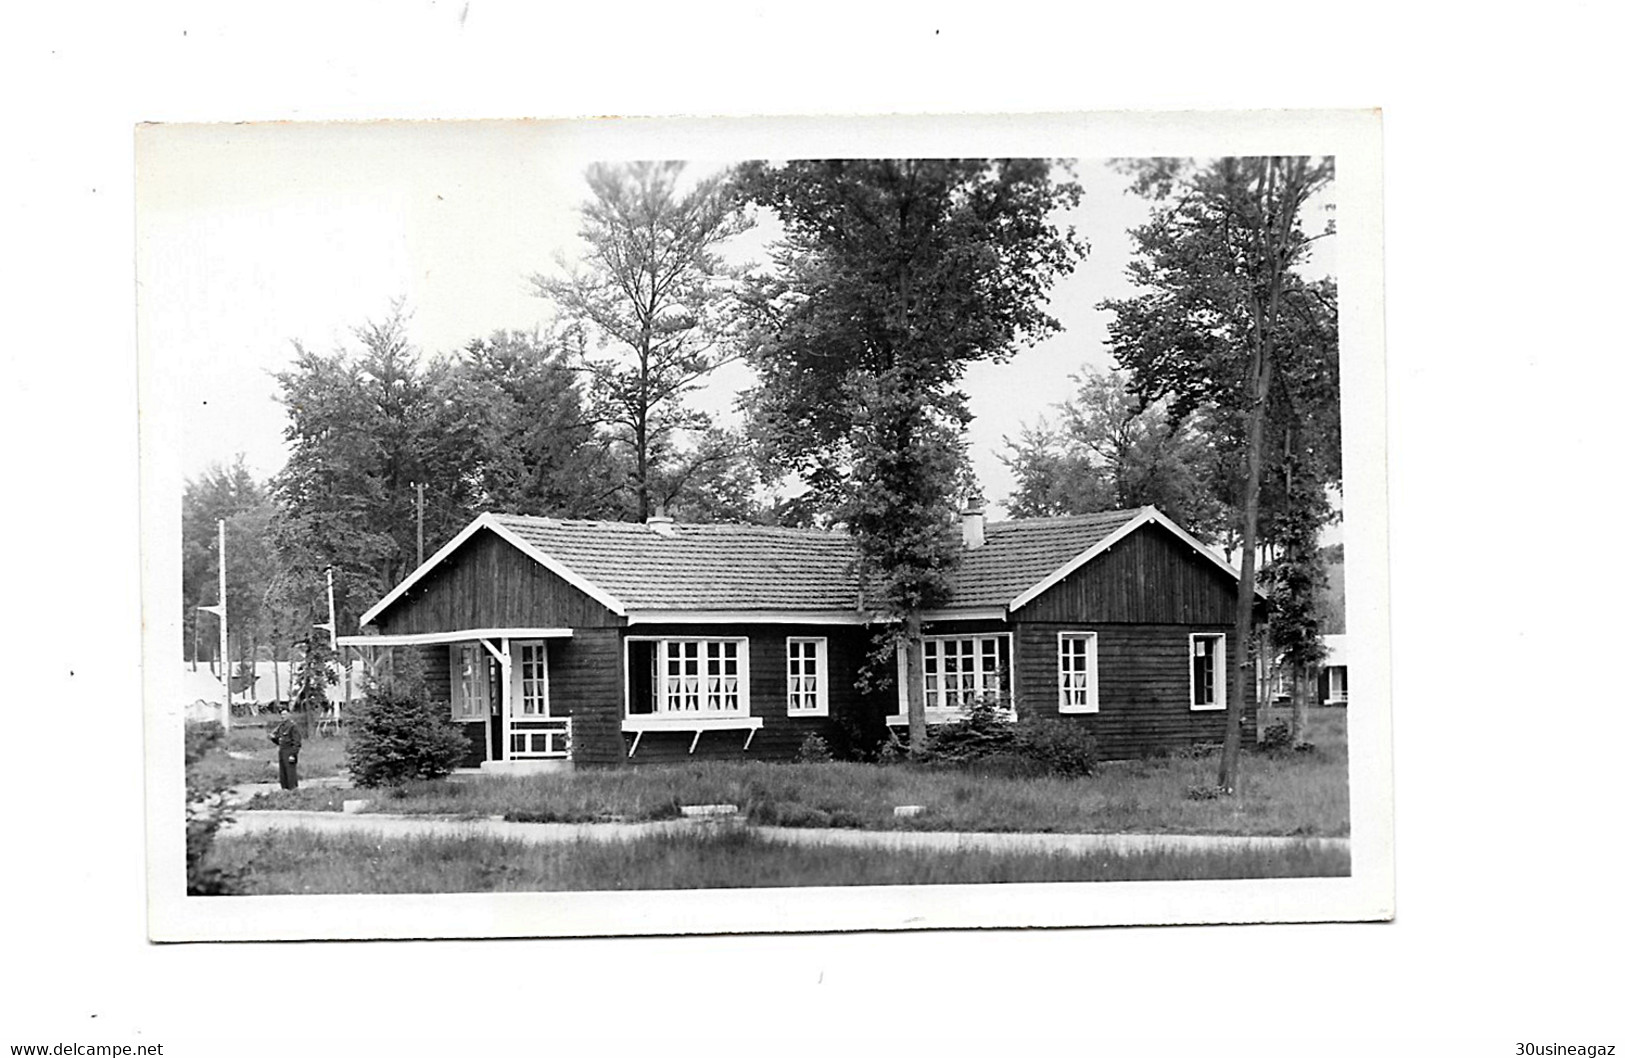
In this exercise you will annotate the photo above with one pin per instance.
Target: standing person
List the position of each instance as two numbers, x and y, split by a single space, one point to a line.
288 739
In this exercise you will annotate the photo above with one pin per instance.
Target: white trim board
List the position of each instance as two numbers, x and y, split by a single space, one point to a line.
745 617
491 522
414 639
1147 515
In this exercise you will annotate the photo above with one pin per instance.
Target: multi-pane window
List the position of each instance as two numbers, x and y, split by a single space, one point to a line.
1207 671
1077 676
961 669
808 682
1337 683
700 676
471 682
532 697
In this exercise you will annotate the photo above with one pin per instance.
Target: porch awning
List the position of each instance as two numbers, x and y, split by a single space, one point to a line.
462 635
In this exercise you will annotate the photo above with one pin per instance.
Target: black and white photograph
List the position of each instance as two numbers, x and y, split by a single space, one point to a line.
793 530
698 507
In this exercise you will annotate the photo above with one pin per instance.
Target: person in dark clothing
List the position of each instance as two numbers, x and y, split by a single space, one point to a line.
288 739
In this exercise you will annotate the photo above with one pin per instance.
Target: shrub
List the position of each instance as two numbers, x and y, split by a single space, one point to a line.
814 750
1203 793
1060 747
984 730
1276 736
204 816
399 735
990 741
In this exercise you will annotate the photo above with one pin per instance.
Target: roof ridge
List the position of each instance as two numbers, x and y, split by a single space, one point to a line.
1053 519
809 532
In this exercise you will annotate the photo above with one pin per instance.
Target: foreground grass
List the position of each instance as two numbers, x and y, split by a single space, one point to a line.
299 862
1281 793
318 758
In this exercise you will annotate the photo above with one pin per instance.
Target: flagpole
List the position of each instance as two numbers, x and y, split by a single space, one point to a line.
225 642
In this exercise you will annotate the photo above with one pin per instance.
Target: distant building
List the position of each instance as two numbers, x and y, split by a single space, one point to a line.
202 692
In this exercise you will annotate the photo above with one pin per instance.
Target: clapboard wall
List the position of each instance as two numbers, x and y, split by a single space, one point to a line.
489 583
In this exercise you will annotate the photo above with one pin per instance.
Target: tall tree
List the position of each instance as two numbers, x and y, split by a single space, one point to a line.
536 451
651 294
1110 452
1224 319
892 277
363 429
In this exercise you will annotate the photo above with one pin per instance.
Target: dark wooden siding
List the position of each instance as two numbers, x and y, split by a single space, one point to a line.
474 753
1143 679
436 662
584 683
781 735
489 583
1150 577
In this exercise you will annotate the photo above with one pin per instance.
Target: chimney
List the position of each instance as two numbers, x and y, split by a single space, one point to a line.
972 526
661 522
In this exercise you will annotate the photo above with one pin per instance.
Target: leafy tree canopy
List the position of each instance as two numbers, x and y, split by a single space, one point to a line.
652 296
1110 452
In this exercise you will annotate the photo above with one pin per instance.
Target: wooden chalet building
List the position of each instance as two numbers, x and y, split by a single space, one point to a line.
556 640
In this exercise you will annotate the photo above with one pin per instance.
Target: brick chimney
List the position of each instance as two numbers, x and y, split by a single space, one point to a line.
973 527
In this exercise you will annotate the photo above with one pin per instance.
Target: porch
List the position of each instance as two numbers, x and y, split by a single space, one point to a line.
498 688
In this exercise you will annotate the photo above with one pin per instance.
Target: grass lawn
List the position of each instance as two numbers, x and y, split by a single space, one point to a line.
298 862
318 758
1280 793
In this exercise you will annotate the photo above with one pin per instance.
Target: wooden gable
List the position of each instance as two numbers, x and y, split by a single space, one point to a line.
1148 577
489 583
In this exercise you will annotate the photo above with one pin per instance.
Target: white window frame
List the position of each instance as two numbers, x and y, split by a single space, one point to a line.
1219 674
517 709
462 680
1337 684
661 655
820 658
1091 688
940 714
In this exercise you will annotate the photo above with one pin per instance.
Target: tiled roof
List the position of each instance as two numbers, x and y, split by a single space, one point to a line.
700 567
1020 553
746 567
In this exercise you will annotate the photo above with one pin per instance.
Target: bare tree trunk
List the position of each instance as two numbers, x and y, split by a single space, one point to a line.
1270 242
276 671
1230 759
1300 706
914 655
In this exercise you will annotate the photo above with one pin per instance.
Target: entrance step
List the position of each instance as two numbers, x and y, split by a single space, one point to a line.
525 767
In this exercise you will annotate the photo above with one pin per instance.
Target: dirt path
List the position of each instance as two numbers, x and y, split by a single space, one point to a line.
403 826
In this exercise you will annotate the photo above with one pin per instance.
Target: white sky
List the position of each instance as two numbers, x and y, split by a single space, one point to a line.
252 236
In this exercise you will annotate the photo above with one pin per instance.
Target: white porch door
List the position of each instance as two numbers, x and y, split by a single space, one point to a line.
530 730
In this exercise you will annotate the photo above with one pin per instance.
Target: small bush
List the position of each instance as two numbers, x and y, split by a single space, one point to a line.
1064 748
1276 736
814 750
1203 793
990 742
985 729
204 816
891 751
399 735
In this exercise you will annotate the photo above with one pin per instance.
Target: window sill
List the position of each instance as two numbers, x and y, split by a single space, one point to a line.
639 725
